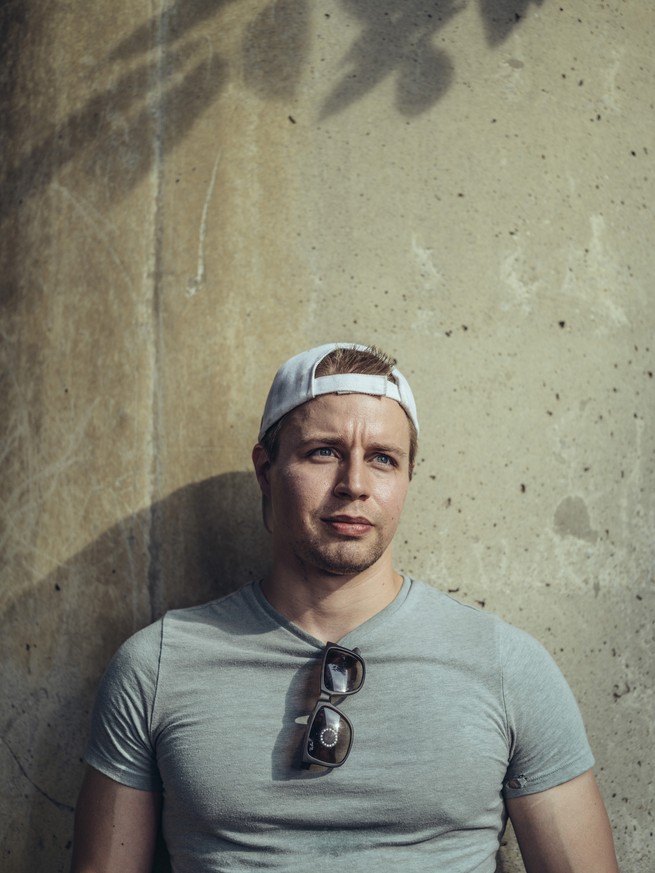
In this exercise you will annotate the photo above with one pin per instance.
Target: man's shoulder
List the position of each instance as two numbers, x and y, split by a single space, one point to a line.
435 600
457 619
233 602
228 613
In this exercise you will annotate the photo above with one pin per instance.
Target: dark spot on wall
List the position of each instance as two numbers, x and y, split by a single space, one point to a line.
572 519
620 692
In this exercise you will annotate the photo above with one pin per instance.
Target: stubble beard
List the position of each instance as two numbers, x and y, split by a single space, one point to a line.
340 558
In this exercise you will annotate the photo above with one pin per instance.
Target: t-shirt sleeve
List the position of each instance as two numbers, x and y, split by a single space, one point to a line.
548 743
120 744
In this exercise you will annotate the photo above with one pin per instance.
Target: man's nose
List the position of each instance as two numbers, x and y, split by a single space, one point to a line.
353 479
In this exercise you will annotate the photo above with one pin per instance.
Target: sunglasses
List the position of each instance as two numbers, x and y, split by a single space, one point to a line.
329 733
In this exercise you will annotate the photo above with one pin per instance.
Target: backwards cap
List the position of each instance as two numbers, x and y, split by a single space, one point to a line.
296 382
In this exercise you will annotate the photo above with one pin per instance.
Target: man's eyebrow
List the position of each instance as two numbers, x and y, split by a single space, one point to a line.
388 449
322 438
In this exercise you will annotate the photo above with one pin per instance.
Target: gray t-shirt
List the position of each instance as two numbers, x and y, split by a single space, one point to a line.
459 709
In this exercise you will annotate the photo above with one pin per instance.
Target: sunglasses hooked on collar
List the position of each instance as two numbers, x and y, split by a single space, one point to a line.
329 733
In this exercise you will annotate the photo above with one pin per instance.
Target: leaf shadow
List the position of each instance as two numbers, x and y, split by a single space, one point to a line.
501 17
397 39
151 88
158 81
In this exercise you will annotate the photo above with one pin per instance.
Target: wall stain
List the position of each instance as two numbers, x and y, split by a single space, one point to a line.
572 519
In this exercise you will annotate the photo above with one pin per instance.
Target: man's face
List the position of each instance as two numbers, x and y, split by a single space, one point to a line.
337 487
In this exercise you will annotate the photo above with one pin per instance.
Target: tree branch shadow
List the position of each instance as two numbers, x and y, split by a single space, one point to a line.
149 91
153 86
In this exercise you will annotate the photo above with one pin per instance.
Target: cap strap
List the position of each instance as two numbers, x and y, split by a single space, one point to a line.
355 383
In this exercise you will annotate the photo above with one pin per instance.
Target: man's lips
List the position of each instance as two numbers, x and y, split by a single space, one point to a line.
349 525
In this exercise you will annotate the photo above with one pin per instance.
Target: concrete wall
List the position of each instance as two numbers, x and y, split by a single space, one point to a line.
191 192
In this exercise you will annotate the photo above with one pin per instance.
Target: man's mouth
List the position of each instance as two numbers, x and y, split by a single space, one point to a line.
349 525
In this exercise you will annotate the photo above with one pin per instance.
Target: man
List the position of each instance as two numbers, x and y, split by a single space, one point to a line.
337 716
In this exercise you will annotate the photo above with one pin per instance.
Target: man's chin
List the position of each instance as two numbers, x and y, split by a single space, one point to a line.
345 569
340 563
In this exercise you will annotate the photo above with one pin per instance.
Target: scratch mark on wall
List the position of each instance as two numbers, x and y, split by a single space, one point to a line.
42 479
611 95
63 806
93 219
427 270
631 500
521 280
198 280
596 278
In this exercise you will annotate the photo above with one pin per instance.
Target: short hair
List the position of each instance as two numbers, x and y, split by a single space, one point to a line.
371 362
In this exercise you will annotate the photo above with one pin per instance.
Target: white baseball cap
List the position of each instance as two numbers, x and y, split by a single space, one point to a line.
296 382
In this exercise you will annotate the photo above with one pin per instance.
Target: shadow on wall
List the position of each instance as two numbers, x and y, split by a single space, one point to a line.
397 39
207 540
150 89
203 541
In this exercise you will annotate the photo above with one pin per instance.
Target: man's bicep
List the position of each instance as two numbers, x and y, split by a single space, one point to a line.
564 829
115 827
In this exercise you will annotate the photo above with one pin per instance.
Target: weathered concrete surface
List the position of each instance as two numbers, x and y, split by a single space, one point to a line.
193 191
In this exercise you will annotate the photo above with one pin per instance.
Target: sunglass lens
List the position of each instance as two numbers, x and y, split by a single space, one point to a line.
342 673
329 737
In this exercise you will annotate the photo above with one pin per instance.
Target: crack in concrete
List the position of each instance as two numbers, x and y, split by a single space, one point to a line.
65 807
157 351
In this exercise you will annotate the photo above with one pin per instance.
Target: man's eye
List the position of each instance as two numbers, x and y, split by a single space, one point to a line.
323 452
384 459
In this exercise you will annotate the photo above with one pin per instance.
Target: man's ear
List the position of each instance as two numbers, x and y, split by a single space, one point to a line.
262 465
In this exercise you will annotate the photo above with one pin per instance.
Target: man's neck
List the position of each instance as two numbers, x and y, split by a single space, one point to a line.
328 606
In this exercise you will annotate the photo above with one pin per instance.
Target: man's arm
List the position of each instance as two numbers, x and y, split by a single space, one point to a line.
564 829
115 827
